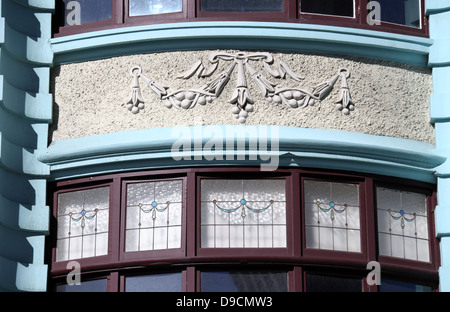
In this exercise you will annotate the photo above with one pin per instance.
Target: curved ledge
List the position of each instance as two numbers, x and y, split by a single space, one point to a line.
436 6
241 35
223 145
16 276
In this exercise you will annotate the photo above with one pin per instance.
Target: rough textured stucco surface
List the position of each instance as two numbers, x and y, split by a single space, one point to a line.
390 99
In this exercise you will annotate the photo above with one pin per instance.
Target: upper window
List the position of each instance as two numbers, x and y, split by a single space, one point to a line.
185 230
329 7
242 5
151 7
401 16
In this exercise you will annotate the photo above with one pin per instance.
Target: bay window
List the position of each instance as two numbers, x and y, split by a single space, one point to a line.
186 229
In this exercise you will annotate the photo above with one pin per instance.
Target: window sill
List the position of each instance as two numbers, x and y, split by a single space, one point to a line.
241 35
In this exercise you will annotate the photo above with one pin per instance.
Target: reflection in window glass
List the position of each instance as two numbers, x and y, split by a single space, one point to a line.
85 286
242 5
403 12
83 218
327 283
149 7
244 281
243 214
153 218
168 282
84 11
328 7
396 286
332 216
402 224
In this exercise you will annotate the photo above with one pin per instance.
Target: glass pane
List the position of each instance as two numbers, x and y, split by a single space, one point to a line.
85 286
153 218
149 7
402 224
243 213
328 7
403 12
326 283
84 11
168 282
396 286
236 281
332 216
83 222
242 5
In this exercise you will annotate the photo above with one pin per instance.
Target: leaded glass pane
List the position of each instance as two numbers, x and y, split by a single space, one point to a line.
243 213
332 216
150 7
83 222
153 215
402 224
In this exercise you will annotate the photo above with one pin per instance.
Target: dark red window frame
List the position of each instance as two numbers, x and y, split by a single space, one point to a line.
296 259
192 12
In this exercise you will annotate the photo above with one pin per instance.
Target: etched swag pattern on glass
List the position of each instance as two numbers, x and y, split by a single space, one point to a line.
153 218
83 218
243 214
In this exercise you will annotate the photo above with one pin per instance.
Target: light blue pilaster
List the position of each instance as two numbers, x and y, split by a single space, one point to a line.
25 112
438 12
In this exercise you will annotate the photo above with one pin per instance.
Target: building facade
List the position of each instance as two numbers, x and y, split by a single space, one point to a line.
269 145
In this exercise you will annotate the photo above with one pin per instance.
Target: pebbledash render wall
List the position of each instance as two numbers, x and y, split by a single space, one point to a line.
390 98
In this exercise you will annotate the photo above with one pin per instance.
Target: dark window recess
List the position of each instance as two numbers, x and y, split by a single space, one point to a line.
396 286
402 12
242 5
328 7
85 11
239 281
164 282
327 283
98 285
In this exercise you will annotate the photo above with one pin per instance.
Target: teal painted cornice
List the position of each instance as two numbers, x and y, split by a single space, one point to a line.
297 147
241 35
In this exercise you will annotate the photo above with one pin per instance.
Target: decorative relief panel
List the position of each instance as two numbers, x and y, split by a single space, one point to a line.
241 98
275 89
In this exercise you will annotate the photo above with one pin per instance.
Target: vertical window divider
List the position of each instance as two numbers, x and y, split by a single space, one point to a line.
115 211
294 203
192 228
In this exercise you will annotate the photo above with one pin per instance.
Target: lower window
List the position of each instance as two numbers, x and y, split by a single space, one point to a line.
204 230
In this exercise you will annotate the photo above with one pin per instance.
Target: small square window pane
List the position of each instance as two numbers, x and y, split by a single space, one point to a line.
151 7
328 7
242 5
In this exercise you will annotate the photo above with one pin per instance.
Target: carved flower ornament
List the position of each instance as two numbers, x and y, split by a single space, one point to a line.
241 98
